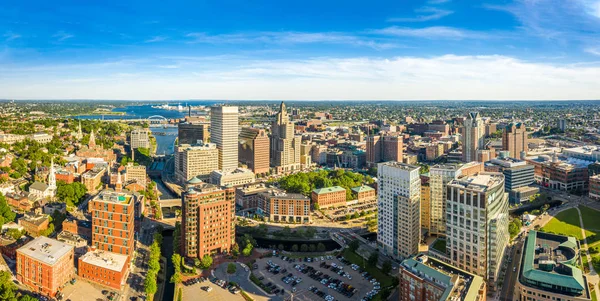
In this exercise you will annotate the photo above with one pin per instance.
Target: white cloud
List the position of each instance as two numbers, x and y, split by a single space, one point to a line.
433 32
289 37
156 39
403 78
61 36
9 36
424 14
594 51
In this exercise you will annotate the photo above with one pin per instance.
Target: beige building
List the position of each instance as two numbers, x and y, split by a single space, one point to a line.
135 173
254 150
425 203
248 196
236 177
473 133
139 138
196 161
224 133
285 145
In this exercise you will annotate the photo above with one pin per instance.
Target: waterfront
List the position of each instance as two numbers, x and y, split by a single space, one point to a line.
147 110
164 142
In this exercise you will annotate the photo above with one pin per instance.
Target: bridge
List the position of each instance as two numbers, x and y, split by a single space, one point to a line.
169 207
157 119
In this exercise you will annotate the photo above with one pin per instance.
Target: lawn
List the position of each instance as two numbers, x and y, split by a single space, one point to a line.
384 279
566 223
439 245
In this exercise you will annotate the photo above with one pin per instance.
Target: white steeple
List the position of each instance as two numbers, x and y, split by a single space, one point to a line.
52 178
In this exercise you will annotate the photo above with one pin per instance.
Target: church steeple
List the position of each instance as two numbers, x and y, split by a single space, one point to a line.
79 132
92 142
119 184
52 177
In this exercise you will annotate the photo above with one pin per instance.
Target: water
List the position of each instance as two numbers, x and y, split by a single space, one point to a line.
147 110
164 143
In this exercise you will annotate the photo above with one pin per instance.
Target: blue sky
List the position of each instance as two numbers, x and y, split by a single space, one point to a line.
431 49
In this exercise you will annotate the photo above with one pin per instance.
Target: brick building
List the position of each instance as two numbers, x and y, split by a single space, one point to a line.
34 222
113 221
279 206
329 196
364 193
105 268
45 264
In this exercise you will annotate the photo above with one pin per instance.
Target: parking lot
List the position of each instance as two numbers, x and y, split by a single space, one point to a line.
85 291
322 278
208 290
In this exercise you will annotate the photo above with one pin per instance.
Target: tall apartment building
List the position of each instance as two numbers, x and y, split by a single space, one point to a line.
423 278
224 133
191 133
477 224
45 265
285 145
208 216
561 124
254 149
439 177
384 148
514 139
425 204
139 138
472 137
113 222
196 161
399 196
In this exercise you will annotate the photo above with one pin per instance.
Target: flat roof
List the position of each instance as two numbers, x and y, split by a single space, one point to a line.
45 250
479 182
105 260
362 188
114 197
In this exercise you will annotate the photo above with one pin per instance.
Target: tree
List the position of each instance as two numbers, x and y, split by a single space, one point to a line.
312 248
353 245
310 232
247 251
176 259
197 262
321 247
280 247
7 287
386 268
150 286
304 247
231 268
176 278
206 262
235 250
295 248
316 206
372 261
514 227
15 233
286 232
72 193
6 215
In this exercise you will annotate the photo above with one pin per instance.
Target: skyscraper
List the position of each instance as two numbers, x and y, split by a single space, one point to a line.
285 145
383 148
254 149
398 220
472 137
139 138
190 133
439 177
477 224
113 221
224 133
514 139
195 161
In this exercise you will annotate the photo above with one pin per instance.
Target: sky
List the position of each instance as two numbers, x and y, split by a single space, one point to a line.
295 50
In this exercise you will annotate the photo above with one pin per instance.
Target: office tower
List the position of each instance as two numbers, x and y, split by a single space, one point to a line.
45 265
207 223
135 173
254 150
139 138
514 139
423 278
285 146
224 133
477 224
439 177
305 155
472 137
195 161
384 148
518 175
398 219
191 133
113 222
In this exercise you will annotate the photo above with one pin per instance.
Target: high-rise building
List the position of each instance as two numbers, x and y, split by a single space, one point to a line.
113 222
191 133
514 139
254 150
425 204
383 148
207 224
439 176
224 133
561 124
195 161
472 137
139 138
423 278
45 265
285 145
518 175
477 224
398 199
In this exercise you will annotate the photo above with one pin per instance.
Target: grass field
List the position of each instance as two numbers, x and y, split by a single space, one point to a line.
591 222
439 245
566 223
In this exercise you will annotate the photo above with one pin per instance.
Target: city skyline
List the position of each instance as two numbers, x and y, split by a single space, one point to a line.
426 50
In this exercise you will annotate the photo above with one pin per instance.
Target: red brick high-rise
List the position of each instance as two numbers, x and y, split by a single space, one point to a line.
113 222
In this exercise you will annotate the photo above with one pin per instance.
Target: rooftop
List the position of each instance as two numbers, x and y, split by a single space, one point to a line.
508 162
45 249
105 260
34 218
280 194
480 182
399 165
549 261
329 190
111 196
457 284
362 188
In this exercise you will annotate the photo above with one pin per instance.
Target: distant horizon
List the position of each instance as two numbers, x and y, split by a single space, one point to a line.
298 100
